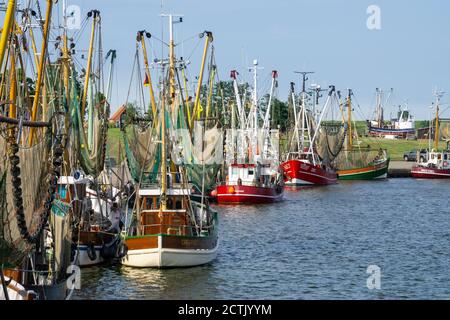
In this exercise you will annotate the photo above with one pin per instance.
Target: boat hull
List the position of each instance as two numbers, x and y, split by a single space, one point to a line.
90 246
83 259
429 173
166 251
382 132
372 172
238 194
298 173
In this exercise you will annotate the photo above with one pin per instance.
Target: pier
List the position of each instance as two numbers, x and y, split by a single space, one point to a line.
400 169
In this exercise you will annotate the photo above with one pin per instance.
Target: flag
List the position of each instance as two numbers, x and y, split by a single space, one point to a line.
146 81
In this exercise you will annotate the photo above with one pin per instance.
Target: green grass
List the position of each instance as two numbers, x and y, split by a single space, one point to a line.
115 146
396 148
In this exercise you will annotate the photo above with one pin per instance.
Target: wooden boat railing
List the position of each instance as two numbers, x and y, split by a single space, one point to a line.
180 230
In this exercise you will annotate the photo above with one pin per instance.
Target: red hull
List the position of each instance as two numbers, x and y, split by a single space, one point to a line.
430 173
300 173
247 194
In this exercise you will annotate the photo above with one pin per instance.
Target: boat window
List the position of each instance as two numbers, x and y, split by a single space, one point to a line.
439 156
445 156
148 203
250 172
234 171
169 204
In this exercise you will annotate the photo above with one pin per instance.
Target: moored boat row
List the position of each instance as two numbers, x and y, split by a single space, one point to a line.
184 143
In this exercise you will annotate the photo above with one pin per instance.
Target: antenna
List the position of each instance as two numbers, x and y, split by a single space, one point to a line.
305 78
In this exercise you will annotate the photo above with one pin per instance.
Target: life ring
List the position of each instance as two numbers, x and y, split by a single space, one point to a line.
92 254
445 163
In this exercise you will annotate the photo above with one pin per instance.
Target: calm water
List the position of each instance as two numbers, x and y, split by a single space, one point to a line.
317 244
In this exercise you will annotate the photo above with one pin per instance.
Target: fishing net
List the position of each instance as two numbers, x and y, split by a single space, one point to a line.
142 151
200 152
34 166
61 235
329 141
358 158
90 148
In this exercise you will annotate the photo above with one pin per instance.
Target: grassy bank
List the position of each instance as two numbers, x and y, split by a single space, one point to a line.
395 148
115 144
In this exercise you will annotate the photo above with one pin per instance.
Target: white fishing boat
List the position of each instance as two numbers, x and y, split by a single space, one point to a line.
167 228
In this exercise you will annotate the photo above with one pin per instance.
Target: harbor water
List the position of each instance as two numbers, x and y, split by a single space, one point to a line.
316 244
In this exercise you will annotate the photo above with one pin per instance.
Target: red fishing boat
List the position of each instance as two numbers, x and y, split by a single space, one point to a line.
302 172
248 183
305 164
431 172
438 164
252 155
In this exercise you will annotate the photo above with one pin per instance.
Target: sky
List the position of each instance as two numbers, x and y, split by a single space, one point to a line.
410 52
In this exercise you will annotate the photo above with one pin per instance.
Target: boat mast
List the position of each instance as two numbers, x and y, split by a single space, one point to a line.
66 57
113 55
294 103
266 125
272 89
13 85
208 40
438 95
41 72
7 26
141 39
303 106
241 112
163 199
349 120
95 14
255 94
163 107
327 103
379 110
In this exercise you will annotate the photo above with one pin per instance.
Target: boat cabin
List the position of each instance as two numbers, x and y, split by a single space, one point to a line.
250 175
438 159
306 156
70 189
175 219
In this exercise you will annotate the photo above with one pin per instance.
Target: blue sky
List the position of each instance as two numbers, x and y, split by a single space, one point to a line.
410 53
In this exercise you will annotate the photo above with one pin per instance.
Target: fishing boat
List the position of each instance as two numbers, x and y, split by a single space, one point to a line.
94 240
400 128
249 183
95 237
438 164
253 173
168 228
308 160
35 226
355 162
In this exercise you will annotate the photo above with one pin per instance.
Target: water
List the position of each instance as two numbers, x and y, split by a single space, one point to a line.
317 244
